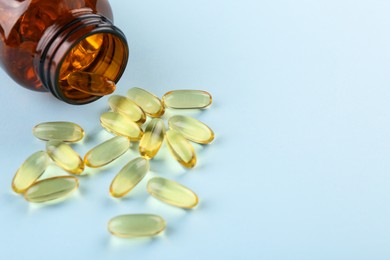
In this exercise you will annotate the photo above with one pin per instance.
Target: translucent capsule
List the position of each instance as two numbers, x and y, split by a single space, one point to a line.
107 152
172 193
192 129
51 189
128 177
125 106
149 103
185 99
152 139
121 125
84 53
30 171
136 225
91 83
65 157
62 131
180 148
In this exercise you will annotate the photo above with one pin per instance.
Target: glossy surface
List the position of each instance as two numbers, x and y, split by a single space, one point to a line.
125 106
106 152
186 99
152 139
129 176
82 55
149 103
85 52
51 189
180 148
30 171
91 83
62 131
65 157
136 225
308 81
121 125
192 129
26 24
172 193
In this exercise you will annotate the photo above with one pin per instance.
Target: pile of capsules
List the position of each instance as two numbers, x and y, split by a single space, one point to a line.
125 120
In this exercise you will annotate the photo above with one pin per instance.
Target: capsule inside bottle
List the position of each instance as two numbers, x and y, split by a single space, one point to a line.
91 83
90 69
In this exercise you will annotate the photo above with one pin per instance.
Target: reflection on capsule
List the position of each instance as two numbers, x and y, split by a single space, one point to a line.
149 103
136 225
172 193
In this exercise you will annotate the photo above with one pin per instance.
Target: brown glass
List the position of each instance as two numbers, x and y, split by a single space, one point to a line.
37 35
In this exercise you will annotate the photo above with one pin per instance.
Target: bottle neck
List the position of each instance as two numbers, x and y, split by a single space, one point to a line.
57 47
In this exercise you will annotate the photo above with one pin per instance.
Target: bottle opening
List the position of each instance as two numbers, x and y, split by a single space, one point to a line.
90 68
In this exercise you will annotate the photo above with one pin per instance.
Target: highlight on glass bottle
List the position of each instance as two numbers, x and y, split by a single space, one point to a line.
69 48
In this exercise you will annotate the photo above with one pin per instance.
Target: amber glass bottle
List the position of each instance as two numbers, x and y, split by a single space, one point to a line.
43 41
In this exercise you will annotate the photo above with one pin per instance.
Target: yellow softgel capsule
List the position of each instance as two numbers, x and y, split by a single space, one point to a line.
152 139
51 189
65 157
180 148
85 52
172 193
82 55
91 83
136 225
119 124
125 106
129 176
30 171
149 103
192 129
107 152
62 131
187 99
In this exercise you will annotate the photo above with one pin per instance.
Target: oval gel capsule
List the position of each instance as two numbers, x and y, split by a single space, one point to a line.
51 189
91 83
107 152
192 129
149 103
62 131
180 148
152 139
121 125
65 157
136 225
30 171
185 99
172 193
125 106
129 176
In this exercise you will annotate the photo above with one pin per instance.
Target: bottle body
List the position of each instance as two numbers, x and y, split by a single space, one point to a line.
42 41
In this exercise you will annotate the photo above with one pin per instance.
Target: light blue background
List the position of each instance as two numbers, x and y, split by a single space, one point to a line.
300 165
